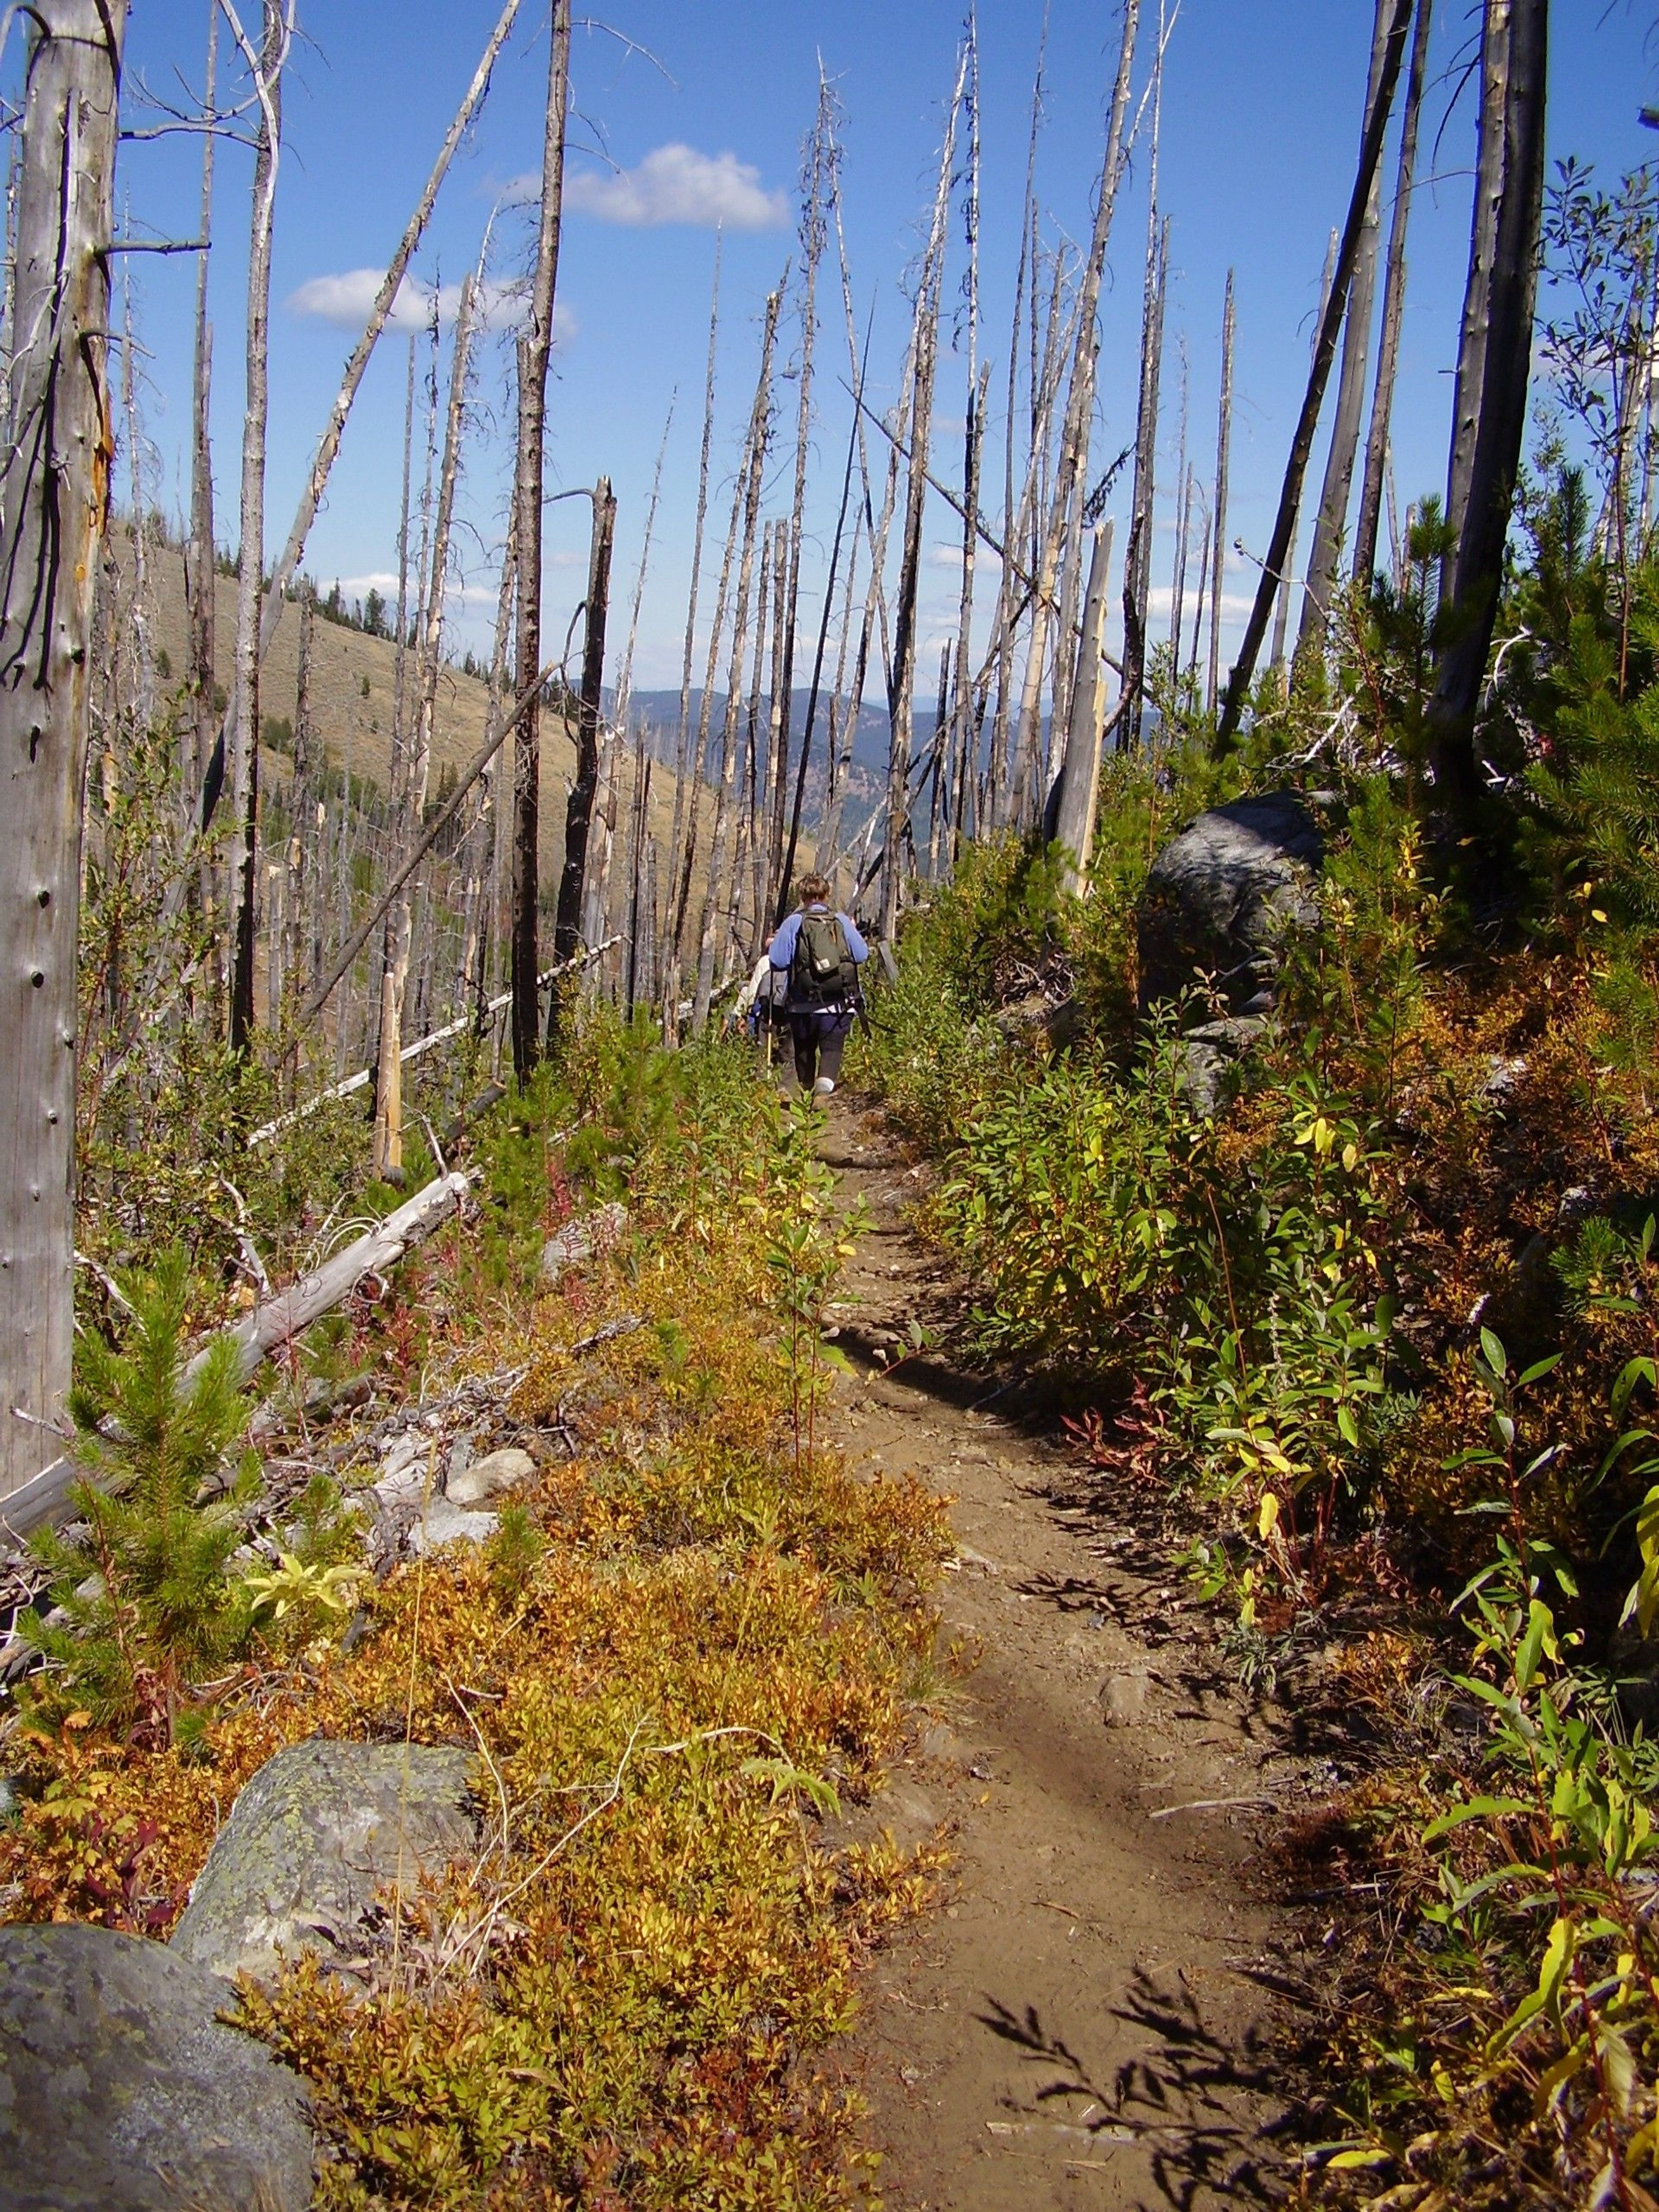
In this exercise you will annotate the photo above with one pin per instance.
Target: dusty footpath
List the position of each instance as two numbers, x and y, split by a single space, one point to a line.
1088 2017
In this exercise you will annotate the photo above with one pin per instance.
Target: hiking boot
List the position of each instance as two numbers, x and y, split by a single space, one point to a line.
824 1086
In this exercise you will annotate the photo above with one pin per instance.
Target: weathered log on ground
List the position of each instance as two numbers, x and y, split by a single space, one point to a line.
270 1326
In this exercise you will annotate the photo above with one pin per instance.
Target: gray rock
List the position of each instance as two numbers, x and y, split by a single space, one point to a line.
581 1237
487 1477
1208 1055
315 1833
1123 1699
120 2092
446 1523
1220 898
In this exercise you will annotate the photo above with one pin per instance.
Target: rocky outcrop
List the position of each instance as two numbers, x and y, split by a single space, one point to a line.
1219 902
120 2091
317 1832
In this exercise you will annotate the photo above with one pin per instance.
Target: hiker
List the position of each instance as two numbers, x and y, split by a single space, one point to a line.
820 953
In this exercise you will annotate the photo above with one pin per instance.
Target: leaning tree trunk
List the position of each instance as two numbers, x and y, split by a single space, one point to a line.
53 510
535 346
1501 418
1331 521
1290 498
1394 305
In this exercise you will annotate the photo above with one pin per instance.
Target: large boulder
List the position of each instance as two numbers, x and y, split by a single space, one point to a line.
120 2091
1221 897
313 1836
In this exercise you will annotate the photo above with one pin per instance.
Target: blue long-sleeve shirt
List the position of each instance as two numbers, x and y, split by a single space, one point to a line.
782 951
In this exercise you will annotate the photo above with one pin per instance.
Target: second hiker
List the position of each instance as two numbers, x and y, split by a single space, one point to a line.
820 952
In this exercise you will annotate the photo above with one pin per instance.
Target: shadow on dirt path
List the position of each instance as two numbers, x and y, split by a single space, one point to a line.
1087 2019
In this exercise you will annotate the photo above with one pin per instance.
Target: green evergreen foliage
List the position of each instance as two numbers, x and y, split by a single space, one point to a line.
150 1606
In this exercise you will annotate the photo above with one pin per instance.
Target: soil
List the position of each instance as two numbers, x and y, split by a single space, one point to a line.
1090 2017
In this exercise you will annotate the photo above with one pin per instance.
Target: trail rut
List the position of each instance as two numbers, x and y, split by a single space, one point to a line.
1089 2019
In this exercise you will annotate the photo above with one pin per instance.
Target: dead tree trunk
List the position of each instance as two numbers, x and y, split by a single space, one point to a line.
1138 553
388 1097
818 176
53 510
1079 788
902 684
1473 343
1072 466
242 856
1394 304
199 566
1336 493
579 808
685 769
1278 545
535 347
1224 440
1501 418
750 481
1286 581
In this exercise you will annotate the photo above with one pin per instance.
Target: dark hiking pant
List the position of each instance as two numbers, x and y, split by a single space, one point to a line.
820 1039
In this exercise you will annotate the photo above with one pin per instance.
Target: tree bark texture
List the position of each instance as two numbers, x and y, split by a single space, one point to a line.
535 348
1501 418
1224 441
54 500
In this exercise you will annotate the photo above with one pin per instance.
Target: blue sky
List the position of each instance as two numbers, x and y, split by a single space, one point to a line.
1261 124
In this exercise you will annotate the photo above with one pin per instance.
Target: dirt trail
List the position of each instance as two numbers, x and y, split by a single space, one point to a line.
1086 2021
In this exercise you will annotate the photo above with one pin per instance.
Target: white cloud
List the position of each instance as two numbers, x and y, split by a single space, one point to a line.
347 299
677 184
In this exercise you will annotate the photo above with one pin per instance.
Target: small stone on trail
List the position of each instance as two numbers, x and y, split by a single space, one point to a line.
487 1477
1123 1699
121 2092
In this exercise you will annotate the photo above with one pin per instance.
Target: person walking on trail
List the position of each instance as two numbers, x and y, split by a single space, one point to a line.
819 952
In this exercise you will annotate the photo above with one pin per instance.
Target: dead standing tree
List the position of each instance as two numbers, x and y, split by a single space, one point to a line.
579 809
1394 303
388 1095
53 510
241 866
1218 532
1278 545
924 349
535 349
1516 80
1073 463
1331 521
750 479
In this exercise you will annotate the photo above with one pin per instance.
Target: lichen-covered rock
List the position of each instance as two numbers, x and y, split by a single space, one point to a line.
120 2091
314 1835
1220 898
487 1477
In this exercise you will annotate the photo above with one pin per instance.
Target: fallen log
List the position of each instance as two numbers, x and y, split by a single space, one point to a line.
273 1324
